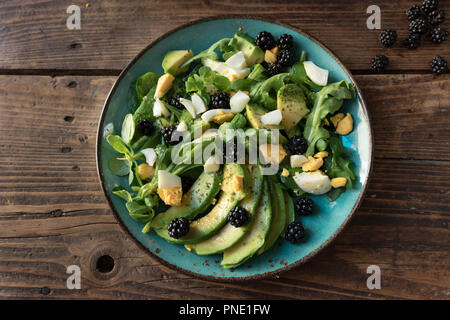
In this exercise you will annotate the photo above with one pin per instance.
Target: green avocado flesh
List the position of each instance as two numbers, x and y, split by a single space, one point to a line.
252 53
195 201
212 222
174 59
254 113
292 105
279 218
254 239
229 235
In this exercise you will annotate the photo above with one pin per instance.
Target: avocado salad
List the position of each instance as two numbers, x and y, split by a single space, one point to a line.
223 151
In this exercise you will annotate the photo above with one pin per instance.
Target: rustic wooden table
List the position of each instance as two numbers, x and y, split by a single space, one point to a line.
53 82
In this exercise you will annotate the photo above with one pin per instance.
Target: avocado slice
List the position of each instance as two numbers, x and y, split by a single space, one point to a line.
233 190
197 199
229 235
254 113
292 104
278 219
252 53
290 213
255 237
174 59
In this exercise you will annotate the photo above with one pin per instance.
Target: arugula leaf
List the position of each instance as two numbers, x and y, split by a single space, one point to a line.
258 73
208 53
299 76
265 92
327 101
337 165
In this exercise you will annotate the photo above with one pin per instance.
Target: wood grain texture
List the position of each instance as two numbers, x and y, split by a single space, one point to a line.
53 213
34 33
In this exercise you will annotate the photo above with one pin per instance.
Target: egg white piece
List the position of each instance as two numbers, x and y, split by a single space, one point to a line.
189 106
238 101
313 182
160 109
237 61
150 156
297 160
316 74
208 115
198 103
168 180
272 117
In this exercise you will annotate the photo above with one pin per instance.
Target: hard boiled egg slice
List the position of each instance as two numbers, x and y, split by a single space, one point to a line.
208 115
150 156
273 117
237 61
160 109
189 106
316 74
238 101
313 182
198 103
168 180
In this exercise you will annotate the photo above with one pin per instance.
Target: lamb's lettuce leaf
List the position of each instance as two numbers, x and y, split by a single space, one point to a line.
144 83
205 80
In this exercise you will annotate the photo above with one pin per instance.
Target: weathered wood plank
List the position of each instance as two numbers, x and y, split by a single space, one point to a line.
405 233
53 213
34 33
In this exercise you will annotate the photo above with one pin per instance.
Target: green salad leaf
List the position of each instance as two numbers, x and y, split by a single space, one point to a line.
327 101
265 92
144 83
128 128
209 53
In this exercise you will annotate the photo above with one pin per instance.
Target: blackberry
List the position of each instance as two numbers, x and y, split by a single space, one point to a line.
230 152
186 183
220 101
238 216
388 37
265 40
418 25
439 65
273 69
285 41
145 127
175 101
178 227
286 57
412 41
297 145
170 135
429 5
436 17
304 206
294 232
438 35
379 62
413 12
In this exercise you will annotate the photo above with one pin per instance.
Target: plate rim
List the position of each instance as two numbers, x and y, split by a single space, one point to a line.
260 275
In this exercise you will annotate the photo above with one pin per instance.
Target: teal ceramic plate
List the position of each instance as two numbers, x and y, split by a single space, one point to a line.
321 227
